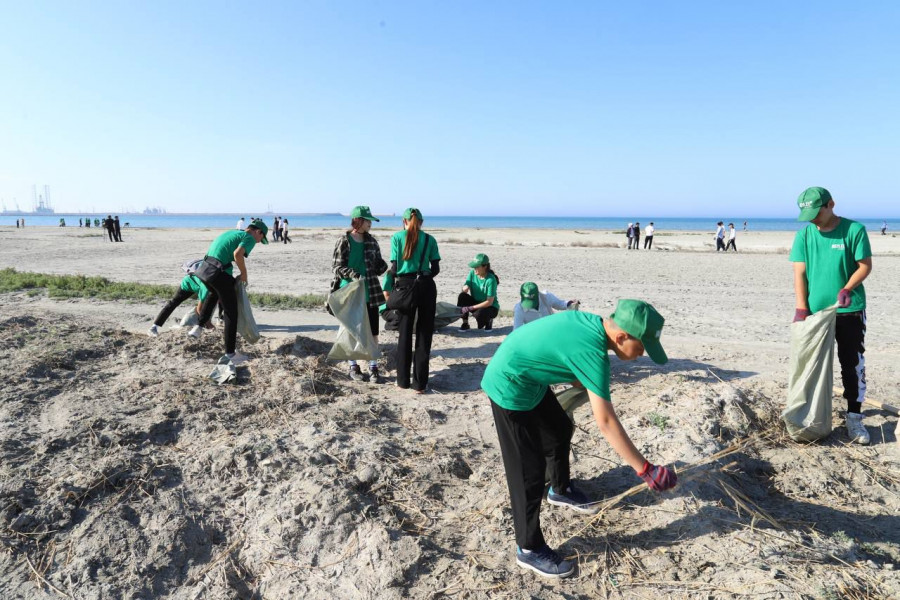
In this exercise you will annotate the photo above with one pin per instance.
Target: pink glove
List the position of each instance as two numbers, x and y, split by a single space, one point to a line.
843 298
658 478
800 314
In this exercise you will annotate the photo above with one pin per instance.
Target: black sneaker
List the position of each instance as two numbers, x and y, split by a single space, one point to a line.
465 326
375 375
489 326
356 373
573 498
545 562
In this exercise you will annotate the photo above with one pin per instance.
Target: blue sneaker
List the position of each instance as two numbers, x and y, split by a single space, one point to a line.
545 562
573 498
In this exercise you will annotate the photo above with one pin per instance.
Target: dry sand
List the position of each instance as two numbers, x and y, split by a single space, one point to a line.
123 474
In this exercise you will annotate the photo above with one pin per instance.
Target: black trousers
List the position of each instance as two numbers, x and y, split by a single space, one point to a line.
167 310
483 316
637 242
221 288
730 244
648 242
850 335
720 244
532 442
112 235
418 320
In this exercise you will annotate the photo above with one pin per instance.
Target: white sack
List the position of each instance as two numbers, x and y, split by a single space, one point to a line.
354 339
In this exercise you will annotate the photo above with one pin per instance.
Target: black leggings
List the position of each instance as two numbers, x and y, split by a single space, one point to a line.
483 316
730 245
167 310
850 335
423 326
221 288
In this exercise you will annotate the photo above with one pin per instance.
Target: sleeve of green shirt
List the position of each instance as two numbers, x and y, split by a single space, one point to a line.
433 253
248 243
798 250
861 247
592 371
490 288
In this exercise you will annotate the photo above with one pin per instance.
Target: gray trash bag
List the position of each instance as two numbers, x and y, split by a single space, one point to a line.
808 413
354 339
572 398
246 324
445 313
224 371
190 319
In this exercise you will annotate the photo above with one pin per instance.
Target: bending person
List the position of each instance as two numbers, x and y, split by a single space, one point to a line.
190 287
229 248
479 294
535 304
358 256
415 261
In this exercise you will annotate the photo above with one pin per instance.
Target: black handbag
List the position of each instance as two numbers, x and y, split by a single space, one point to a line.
209 269
403 298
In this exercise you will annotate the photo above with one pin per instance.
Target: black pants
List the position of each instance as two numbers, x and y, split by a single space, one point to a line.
483 316
850 335
637 242
531 442
373 318
730 245
167 310
112 235
720 244
648 242
118 233
221 288
419 319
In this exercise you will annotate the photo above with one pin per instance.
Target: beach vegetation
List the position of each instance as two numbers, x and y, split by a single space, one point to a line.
100 288
658 420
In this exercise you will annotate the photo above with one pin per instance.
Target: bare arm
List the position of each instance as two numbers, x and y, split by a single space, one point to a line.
864 267
485 304
614 433
239 260
801 286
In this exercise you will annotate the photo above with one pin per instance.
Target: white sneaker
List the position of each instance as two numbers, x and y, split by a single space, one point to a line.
237 358
856 430
195 331
153 331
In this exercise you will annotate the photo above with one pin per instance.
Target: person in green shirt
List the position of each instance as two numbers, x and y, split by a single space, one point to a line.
415 262
479 294
228 248
535 432
190 287
832 257
358 256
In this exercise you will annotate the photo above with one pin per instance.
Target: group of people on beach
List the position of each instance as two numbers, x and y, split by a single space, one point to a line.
720 236
552 342
633 233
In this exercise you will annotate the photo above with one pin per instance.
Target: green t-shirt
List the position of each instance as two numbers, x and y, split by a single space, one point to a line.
357 261
411 266
223 247
831 259
482 289
195 286
563 347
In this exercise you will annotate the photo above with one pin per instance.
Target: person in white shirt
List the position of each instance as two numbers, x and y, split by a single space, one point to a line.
648 236
535 304
240 224
731 235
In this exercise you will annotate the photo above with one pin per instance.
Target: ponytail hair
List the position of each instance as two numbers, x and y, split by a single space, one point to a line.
412 236
491 272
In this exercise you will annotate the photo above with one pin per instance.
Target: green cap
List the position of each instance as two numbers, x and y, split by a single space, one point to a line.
810 201
639 319
414 211
258 224
529 293
362 212
480 259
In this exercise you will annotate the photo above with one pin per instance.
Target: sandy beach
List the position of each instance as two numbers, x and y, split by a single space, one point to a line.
125 474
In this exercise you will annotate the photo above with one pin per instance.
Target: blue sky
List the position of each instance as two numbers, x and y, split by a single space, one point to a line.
460 108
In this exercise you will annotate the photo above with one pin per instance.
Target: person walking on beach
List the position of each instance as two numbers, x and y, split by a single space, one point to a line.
358 256
637 235
720 236
745 225
648 236
479 294
731 235
240 224
285 232
276 229
229 248
415 262
535 304
108 226
832 257
535 432
190 287
117 229
629 233
884 228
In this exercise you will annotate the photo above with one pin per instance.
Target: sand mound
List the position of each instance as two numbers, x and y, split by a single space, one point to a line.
124 473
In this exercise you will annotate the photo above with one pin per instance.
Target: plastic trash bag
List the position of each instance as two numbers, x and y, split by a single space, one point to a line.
808 413
354 339
224 371
444 314
189 319
246 324
572 398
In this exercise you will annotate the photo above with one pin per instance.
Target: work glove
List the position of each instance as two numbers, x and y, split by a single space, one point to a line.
843 298
800 314
659 478
466 310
